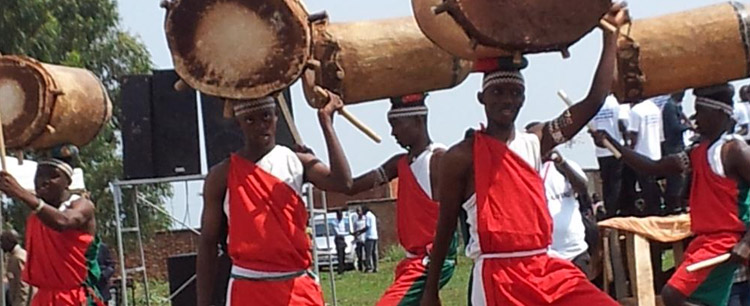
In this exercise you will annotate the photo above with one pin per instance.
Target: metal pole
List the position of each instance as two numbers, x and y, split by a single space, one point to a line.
140 244
311 204
328 246
117 199
163 211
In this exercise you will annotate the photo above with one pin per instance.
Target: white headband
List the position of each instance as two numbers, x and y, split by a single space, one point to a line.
63 166
242 107
713 104
502 76
420 110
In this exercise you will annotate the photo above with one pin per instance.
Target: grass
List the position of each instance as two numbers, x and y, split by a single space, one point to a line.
359 289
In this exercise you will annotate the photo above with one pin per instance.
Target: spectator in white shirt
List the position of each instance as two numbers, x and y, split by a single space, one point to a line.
371 240
644 136
563 180
611 118
340 240
742 114
359 227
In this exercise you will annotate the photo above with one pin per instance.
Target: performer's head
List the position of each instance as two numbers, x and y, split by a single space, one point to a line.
339 215
745 93
8 240
54 174
257 119
503 89
408 119
713 109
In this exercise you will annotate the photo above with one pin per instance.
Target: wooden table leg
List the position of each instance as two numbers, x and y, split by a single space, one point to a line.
618 271
641 272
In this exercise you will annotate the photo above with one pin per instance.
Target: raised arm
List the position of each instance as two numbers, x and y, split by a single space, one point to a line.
338 177
376 177
78 216
454 170
567 125
214 191
669 165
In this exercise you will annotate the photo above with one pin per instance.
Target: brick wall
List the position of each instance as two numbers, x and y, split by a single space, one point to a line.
385 212
161 247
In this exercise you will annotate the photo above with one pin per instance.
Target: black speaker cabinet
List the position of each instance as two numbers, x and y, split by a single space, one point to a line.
180 268
223 136
159 127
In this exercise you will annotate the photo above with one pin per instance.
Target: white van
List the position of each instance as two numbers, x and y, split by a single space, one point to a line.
327 252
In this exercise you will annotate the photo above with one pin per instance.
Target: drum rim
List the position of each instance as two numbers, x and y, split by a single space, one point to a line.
294 69
46 99
475 33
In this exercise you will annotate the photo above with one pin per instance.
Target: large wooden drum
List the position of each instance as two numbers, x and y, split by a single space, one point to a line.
696 48
527 26
45 105
445 32
238 49
371 60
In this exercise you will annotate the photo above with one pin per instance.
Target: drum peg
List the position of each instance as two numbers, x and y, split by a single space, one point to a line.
180 85
313 64
517 58
166 4
440 8
340 74
57 92
315 17
473 44
565 53
19 157
51 129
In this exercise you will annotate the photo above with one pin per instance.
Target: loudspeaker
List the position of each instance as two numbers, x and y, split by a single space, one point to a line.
135 124
223 136
175 127
159 127
180 268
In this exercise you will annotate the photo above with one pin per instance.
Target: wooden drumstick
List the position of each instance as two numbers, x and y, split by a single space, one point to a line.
288 118
180 85
708 263
346 114
607 144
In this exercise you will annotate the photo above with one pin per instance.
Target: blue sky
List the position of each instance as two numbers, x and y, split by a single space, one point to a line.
451 111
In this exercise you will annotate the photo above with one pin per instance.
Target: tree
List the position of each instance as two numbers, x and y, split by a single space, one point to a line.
85 33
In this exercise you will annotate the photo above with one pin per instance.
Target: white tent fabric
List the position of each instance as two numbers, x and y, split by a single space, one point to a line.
24 174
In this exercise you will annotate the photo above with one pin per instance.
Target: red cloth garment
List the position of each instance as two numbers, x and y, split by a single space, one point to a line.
416 212
300 291
56 264
267 221
512 218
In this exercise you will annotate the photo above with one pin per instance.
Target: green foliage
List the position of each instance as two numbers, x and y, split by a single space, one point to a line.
85 33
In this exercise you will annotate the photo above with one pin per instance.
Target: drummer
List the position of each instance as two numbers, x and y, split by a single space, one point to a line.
258 192
494 176
719 199
417 206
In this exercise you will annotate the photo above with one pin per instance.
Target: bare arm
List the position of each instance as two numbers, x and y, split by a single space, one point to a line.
80 215
437 157
574 118
338 177
375 178
669 165
214 191
577 181
454 170
736 158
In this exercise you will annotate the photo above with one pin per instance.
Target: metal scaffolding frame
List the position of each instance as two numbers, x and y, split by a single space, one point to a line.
116 189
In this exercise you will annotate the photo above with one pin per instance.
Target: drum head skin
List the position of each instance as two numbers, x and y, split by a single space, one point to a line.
239 49
528 26
23 92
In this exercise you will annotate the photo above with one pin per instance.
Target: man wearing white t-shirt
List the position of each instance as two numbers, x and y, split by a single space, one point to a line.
371 241
644 135
563 179
611 118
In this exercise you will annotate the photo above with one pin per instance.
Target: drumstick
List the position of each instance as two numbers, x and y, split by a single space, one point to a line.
708 263
346 114
288 118
606 143
2 147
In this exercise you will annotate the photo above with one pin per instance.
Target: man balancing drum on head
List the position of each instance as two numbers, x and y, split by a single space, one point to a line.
719 199
61 236
416 204
259 190
494 177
